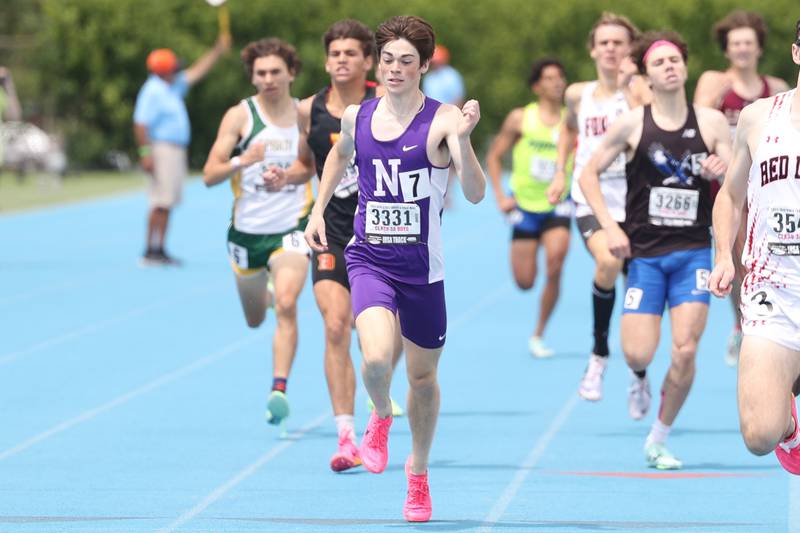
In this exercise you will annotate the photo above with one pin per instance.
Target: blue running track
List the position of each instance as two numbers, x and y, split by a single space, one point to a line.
132 399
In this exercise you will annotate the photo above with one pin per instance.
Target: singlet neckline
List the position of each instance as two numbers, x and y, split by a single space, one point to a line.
265 119
391 141
594 85
327 93
764 87
689 113
536 108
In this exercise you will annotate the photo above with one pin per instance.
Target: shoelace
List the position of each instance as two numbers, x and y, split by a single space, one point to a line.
637 388
418 491
663 455
595 370
378 433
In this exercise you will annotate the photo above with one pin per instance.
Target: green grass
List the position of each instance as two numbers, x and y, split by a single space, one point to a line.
39 191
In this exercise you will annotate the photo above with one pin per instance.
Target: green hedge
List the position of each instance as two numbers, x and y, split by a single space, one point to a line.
88 61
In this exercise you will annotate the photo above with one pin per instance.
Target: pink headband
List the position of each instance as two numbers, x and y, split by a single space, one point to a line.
659 44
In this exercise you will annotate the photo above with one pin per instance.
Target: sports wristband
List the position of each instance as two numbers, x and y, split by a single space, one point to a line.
236 162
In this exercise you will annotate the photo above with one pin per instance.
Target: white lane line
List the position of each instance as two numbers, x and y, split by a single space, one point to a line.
128 396
243 474
489 300
527 466
97 326
794 504
44 289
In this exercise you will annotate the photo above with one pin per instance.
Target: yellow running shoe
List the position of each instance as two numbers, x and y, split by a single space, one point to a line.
396 409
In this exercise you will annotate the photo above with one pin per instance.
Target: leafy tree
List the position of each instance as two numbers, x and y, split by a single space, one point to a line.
80 63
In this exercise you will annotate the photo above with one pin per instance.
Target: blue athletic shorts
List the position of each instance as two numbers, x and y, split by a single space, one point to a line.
674 278
531 225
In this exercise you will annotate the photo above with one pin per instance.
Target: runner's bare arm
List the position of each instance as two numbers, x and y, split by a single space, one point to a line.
639 92
776 85
567 137
566 142
301 170
730 202
636 90
461 122
202 65
616 141
336 162
218 165
716 134
509 134
710 88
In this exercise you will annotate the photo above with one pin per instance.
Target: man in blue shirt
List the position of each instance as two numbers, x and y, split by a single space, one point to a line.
162 130
443 82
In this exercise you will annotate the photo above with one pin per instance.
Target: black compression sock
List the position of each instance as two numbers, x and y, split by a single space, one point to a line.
603 306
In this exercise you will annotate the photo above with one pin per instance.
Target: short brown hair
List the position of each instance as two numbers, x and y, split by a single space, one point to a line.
271 46
646 40
612 19
413 29
740 19
351 29
797 32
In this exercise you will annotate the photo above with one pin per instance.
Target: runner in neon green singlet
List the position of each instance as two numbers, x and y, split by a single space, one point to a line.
533 132
534 161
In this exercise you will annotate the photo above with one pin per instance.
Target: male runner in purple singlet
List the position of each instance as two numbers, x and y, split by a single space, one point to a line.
404 144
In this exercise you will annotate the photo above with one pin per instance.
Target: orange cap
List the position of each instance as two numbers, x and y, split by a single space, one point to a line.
441 55
162 61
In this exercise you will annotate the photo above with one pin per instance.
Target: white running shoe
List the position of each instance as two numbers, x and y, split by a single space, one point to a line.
658 456
638 397
734 345
538 348
591 387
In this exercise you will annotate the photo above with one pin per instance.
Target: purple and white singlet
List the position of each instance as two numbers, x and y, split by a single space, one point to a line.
401 197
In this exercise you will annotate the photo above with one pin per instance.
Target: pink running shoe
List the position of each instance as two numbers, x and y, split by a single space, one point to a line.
788 451
374 450
418 500
346 457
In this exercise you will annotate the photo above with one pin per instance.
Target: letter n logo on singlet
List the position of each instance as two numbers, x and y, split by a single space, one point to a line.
381 176
414 184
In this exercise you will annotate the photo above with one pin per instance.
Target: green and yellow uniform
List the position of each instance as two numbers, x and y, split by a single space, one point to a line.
266 222
534 161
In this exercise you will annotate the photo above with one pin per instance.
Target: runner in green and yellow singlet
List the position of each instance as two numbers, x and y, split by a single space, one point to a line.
532 131
265 238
